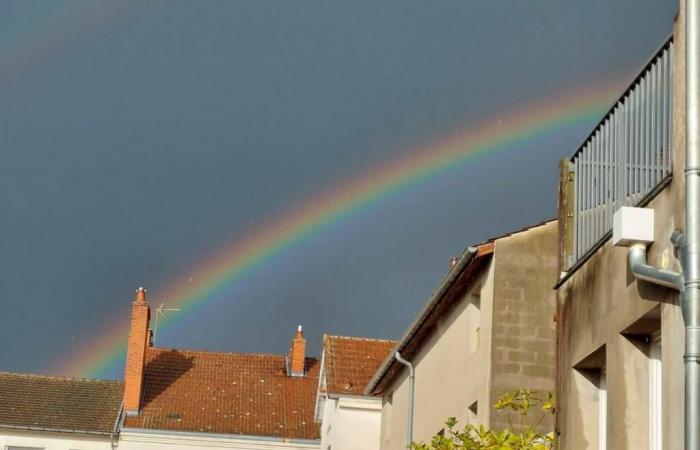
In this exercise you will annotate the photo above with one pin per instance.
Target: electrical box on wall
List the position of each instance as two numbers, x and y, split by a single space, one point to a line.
633 226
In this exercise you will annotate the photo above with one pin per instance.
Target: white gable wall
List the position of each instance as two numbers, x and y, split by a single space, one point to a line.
351 423
131 439
52 441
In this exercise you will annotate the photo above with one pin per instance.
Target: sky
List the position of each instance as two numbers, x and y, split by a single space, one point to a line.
139 139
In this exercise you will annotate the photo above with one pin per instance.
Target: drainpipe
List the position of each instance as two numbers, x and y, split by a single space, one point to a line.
411 380
690 300
643 271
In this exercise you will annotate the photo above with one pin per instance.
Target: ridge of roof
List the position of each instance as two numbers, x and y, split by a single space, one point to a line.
518 231
358 338
59 377
219 353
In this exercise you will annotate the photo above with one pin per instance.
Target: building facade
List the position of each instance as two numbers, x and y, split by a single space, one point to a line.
488 328
349 419
621 339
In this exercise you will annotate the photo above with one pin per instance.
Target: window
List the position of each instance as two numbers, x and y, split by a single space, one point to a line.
602 410
473 413
655 392
475 321
590 384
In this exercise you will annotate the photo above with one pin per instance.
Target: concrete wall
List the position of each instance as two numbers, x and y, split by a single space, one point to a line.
52 441
351 423
605 316
449 376
524 337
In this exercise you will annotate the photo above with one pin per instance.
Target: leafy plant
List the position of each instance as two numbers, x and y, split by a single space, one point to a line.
521 435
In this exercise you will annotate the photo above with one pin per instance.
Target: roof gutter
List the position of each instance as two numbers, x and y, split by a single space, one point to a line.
411 383
55 430
467 257
115 430
241 437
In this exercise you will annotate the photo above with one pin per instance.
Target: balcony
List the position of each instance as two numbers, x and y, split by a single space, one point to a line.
625 160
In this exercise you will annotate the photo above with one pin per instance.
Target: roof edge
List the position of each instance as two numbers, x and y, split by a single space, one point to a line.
470 255
55 430
243 437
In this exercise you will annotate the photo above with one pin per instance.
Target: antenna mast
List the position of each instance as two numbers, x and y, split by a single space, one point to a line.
161 312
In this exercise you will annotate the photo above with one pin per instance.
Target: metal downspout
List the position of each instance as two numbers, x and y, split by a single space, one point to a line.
691 266
643 271
411 379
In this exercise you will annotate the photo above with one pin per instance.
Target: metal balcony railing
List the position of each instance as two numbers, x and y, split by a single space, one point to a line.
625 157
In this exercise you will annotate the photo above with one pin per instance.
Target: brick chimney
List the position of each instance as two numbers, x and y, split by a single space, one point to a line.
136 352
297 355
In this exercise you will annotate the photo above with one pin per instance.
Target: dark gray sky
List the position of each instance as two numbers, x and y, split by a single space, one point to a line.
136 140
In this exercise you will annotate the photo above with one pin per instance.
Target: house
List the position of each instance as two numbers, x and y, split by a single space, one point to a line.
184 399
488 328
42 412
620 324
349 419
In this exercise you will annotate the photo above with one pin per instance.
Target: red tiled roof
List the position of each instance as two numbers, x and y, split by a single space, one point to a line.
228 393
59 404
350 362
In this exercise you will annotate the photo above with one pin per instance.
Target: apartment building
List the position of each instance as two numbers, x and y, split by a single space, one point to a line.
621 339
488 328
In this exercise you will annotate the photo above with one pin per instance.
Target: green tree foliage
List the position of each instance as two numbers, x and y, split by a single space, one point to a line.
527 409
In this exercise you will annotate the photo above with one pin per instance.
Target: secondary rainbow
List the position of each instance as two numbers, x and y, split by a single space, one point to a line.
218 273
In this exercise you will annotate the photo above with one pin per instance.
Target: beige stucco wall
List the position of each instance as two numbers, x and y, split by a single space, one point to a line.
53 441
449 377
603 299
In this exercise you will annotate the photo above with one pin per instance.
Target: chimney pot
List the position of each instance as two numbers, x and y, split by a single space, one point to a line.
140 295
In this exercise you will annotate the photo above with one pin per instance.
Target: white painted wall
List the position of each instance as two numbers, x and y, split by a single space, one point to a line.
52 441
130 439
351 423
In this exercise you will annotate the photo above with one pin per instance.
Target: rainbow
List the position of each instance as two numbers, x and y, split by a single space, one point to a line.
49 30
105 354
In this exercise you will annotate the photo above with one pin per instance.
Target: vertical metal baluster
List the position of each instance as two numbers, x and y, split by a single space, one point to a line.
585 182
577 205
664 80
646 129
596 196
606 173
654 127
669 109
640 142
589 191
648 125
630 149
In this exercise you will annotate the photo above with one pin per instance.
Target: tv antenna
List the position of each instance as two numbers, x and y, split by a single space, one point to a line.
160 312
